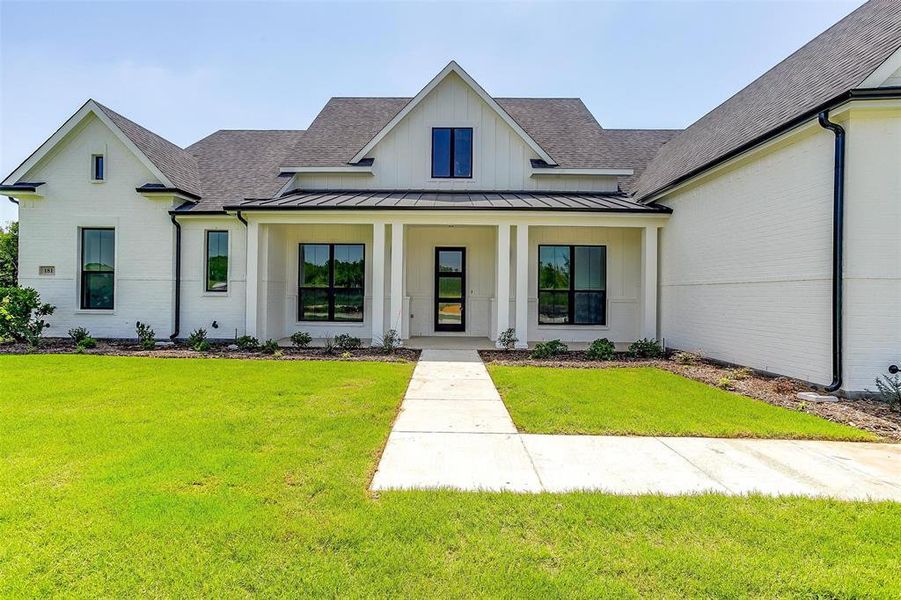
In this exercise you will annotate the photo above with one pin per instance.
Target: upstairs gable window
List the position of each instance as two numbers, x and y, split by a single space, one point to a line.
97 167
451 152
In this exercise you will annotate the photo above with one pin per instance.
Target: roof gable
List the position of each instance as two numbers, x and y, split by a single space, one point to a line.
172 165
838 60
452 68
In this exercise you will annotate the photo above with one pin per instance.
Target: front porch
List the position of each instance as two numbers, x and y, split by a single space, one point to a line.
450 281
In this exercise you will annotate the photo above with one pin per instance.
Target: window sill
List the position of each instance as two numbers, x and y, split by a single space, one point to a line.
551 327
207 294
95 311
330 323
98 180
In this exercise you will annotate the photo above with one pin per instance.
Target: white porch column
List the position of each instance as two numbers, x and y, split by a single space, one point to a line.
522 285
502 293
378 283
252 278
648 328
397 278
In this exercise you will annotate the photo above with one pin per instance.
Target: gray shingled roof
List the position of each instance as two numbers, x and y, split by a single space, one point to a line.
563 127
834 62
175 163
635 148
431 200
239 164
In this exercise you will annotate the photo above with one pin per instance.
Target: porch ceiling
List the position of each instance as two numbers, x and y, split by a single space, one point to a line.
431 200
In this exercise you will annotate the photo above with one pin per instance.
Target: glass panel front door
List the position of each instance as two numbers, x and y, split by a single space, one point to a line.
450 289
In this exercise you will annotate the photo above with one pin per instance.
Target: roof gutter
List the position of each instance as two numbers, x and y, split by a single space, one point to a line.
177 316
838 210
886 93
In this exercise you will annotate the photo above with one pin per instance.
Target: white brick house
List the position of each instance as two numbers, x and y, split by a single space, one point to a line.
455 213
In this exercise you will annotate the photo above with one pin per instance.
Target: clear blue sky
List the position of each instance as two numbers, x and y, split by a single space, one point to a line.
184 70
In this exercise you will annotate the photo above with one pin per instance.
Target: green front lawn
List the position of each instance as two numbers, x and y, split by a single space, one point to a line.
647 401
223 478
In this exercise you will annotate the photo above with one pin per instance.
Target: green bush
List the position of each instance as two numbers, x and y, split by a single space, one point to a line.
269 347
549 349
79 333
507 339
146 335
390 341
22 315
646 348
888 389
686 358
197 341
85 343
345 341
247 343
602 349
328 344
301 339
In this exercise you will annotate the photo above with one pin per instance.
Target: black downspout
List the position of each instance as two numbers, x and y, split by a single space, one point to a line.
177 278
838 217
241 218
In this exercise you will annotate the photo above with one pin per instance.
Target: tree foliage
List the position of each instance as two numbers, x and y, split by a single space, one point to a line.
9 255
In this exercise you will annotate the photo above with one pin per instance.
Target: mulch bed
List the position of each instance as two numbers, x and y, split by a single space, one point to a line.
218 350
870 415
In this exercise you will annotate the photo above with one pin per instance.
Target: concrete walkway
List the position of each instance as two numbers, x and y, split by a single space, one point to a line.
454 431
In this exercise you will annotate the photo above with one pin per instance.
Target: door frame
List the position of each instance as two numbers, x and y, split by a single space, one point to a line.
437 298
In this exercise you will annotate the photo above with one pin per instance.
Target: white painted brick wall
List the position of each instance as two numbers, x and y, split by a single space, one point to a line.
745 262
144 239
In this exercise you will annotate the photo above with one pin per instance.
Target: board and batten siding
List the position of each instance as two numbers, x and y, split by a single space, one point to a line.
500 156
745 261
50 227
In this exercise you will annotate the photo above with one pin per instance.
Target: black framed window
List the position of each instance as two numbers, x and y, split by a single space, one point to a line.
97 167
572 285
98 268
452 152
217 261
330 282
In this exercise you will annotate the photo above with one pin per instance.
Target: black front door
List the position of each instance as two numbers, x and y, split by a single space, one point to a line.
450 289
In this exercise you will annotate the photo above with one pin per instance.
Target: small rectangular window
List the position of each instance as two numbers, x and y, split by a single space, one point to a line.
452 152
97 167
572 285
330 282
98 266
217 261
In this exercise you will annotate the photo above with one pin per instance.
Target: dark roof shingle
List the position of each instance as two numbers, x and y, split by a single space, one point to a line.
238 164
175 163
834 62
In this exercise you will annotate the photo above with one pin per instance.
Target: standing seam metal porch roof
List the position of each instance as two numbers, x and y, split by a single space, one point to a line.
450 200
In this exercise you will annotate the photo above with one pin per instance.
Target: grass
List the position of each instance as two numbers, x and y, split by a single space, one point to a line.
648 401
223 478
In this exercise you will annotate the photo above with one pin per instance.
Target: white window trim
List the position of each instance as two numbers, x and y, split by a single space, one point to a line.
228 275
93 172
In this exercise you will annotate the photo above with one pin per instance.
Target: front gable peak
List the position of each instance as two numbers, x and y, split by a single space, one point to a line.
453 68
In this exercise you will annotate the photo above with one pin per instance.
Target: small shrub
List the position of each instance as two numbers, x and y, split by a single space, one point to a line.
345 341
79 333
741 373
888 389
548 349
507 339
269 347
390 341
784 385
146 335
278 353
686 358
328 344
247 343
22 315
645 348
85 343
602 349
725 382
346 354
197 341
301 339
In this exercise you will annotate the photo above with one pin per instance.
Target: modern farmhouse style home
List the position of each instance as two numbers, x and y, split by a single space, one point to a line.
767 234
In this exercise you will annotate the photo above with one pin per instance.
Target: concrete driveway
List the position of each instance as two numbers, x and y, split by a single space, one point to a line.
454 431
